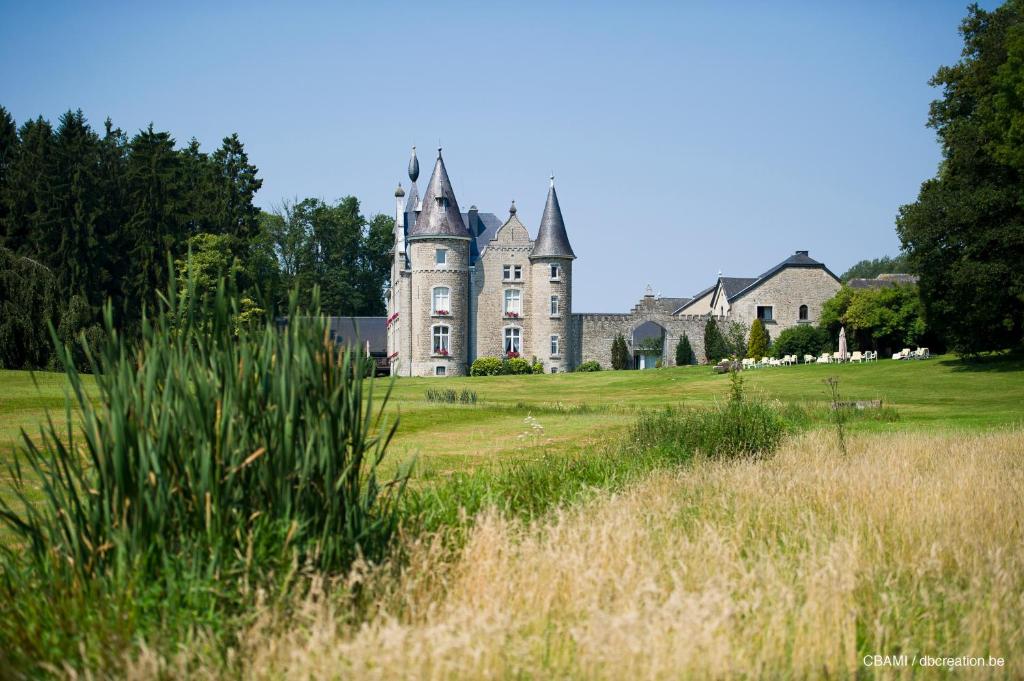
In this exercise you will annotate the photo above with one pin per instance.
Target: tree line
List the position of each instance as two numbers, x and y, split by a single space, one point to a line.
89 216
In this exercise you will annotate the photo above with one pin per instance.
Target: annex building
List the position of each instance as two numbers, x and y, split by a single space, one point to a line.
465 285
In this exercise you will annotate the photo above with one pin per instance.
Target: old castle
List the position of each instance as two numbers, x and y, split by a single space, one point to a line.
467 285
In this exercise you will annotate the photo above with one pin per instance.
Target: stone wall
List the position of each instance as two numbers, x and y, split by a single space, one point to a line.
511 246
544 324
785 293
596 331
425 277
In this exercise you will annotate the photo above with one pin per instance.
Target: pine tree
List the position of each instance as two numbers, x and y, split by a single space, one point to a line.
31 221
715 345
157 213
620 353
8 152
757 346
234 184
684 353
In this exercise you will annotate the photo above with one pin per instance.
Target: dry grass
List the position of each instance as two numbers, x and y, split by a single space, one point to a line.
796 566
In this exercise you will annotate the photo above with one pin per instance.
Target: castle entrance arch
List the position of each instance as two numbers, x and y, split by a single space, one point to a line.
648 345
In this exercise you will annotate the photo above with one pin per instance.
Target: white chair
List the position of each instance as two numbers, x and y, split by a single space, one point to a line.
824 359
809 359
921 353
855 356
871 356
836 357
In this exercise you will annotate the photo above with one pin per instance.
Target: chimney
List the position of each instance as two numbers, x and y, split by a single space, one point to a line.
803 253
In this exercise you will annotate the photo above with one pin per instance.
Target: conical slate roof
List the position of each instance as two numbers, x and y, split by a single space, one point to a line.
552 241
440 215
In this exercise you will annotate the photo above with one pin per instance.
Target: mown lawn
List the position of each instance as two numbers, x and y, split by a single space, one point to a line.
574 409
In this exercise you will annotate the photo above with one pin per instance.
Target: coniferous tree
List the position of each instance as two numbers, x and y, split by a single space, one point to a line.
715 345
31 222
8 152
158 210
684 352
757 346
234 184
620 353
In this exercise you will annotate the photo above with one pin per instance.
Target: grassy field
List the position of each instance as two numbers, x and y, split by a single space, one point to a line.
574 548
576 410
793 567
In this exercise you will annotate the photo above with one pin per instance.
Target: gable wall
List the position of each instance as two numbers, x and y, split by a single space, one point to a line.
786 291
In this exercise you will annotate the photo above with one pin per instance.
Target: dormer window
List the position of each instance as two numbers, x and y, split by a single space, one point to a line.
442 202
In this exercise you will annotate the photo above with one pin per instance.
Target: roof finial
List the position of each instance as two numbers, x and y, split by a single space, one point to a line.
439 147
414 165
512 208
552 178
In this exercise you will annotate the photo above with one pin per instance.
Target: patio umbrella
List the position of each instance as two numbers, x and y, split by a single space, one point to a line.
842 343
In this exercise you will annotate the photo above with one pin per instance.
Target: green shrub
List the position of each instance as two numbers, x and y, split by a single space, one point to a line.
537 366
590 365
486 366
517 365
620 354
801 340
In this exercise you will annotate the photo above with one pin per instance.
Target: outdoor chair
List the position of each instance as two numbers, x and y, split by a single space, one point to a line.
836 357
825 358
856 356
921 353
809 359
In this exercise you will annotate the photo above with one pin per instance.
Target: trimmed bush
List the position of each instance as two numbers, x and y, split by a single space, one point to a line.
591 365
757 347
684 352
486 366
518 365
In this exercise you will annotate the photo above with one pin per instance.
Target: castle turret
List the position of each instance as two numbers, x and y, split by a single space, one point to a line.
439 249
551 273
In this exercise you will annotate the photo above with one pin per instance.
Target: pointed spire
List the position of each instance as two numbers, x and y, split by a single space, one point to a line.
440 215
552 241
414 166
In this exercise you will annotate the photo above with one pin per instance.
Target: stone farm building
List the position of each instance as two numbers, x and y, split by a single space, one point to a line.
467 284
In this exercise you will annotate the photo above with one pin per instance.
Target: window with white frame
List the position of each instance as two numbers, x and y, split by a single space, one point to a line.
513 340
513 302
556 272
442 300
441 339
554 346
512 272
440 256
440 370
554 306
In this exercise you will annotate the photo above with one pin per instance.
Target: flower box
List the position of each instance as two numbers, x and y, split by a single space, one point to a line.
441 353
512 315
512 355
441 313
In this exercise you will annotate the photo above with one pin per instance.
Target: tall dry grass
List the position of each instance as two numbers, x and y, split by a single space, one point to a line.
796 566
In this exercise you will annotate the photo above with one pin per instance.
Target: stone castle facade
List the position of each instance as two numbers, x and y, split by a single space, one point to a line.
467 285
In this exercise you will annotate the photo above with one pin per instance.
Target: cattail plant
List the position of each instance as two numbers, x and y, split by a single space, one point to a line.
229 447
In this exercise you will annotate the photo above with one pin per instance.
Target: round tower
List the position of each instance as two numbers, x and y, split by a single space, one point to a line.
439 254
551 275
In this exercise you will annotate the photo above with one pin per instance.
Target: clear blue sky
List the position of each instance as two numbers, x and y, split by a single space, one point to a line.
685 137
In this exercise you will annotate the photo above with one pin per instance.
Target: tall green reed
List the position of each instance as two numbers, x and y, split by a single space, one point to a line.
222 447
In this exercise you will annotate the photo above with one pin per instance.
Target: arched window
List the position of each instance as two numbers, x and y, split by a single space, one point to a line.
513 302
442 300
441 338
803 313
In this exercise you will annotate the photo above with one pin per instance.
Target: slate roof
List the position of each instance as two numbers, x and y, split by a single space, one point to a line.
735 285
552 241
483 227
351 331
439 217
670 305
